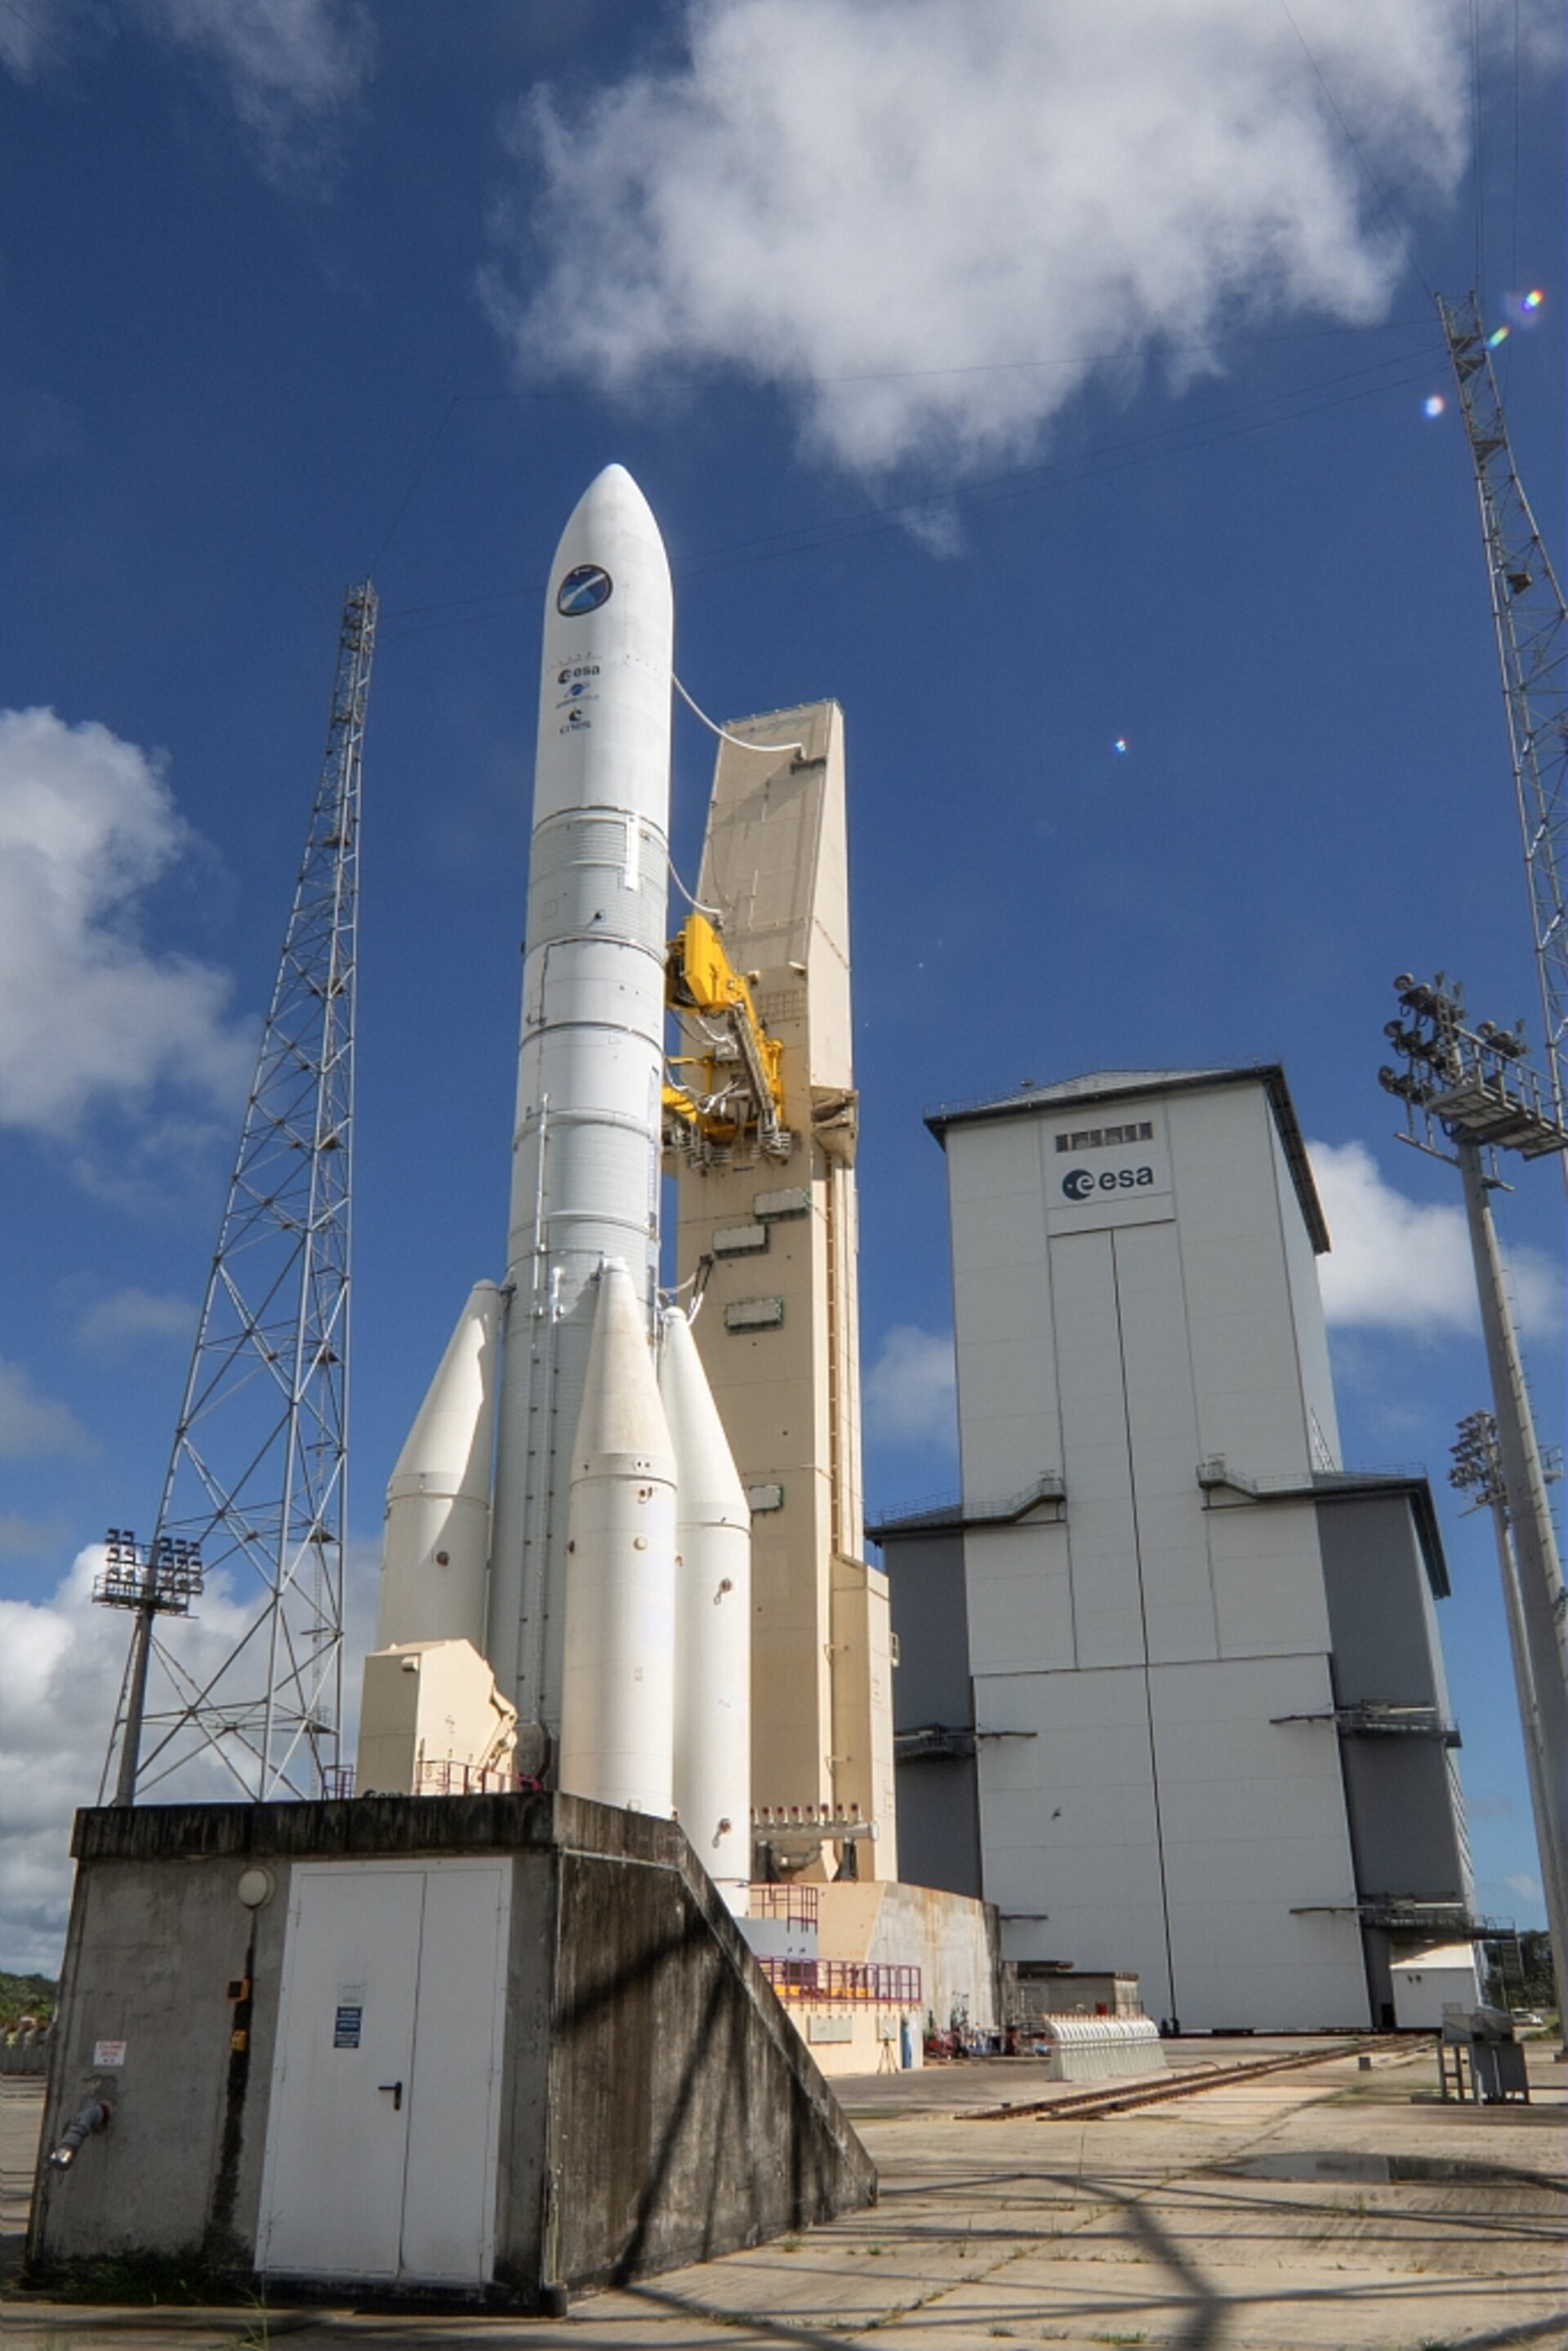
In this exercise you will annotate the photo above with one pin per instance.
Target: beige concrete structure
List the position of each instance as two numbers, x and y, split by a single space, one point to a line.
954 1942
431 1717
777 1330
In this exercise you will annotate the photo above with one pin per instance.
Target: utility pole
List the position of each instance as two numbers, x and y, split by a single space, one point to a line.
1474 1087
1478 1471
256 1481
1531 623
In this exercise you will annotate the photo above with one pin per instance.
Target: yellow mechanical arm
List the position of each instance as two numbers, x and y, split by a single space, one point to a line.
740 1090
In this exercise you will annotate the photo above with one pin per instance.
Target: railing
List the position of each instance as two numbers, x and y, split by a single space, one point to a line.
798 1906
843 1982
438 1780
26 2052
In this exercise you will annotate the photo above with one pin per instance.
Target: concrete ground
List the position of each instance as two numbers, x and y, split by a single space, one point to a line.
1256 2217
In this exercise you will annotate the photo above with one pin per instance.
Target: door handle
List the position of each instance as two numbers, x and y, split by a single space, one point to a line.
396 2090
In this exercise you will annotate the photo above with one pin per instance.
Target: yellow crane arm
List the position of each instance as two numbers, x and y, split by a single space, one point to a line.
699 977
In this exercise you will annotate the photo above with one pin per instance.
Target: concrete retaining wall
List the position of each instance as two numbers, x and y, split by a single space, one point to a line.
656 2106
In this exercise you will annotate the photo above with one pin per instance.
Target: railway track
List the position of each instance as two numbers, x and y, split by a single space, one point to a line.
1121 2097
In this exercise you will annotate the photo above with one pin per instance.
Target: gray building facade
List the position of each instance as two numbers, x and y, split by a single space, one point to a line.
1170 1689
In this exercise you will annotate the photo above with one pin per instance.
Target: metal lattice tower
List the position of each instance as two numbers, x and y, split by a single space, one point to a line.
256 1485
1531 623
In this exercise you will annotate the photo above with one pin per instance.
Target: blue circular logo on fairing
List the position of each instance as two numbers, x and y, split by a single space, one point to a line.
583 589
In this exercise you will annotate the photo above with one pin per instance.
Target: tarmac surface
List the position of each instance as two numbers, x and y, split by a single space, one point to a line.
1325 2210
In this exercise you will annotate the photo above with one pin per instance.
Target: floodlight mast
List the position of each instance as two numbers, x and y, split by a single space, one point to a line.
1478 1471
1474 1086
1531 622
256 1482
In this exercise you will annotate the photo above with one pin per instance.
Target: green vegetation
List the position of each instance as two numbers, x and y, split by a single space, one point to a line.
24 1996
140 2278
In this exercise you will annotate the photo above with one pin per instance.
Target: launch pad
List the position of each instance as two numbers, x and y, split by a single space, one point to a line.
475 2049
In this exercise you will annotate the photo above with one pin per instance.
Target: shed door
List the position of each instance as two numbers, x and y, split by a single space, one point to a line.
381 2144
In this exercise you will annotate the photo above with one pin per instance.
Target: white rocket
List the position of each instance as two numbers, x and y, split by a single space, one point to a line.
586 1143
634 1684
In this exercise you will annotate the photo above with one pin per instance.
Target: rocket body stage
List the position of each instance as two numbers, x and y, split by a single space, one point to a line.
586 1145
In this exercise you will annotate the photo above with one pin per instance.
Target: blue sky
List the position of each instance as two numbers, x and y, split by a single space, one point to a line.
1029 382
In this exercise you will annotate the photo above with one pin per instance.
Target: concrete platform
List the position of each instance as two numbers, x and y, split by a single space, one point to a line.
493 2049
1144 2229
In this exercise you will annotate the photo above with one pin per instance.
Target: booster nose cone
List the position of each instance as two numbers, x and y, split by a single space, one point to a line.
437 1532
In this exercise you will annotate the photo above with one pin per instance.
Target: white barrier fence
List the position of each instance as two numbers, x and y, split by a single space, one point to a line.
1099 2048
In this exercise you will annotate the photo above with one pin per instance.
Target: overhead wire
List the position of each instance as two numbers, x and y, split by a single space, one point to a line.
1396 222
804 383
1479 185
1241 418
36 30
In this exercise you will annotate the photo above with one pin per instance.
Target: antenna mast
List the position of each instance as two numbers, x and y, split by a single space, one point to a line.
255 1492
1531 624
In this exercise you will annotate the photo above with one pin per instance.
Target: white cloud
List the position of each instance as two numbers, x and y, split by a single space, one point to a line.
128 1317
88 1017
63 1660
1525 1887
1399 1264
886 206
909 1390
31 1423
291 65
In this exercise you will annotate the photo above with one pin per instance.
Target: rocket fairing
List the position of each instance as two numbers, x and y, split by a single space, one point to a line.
617 1737
586 1143
713 1621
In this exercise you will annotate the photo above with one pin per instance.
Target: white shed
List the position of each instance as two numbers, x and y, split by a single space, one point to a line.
1428 1982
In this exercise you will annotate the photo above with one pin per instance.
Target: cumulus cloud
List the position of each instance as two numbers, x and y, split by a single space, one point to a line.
31 1423
64 1660
1399 1264
127 1318
932 221
88 1017
291 65
909 1390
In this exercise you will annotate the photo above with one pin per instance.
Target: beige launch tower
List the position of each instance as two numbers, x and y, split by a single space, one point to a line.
770 1229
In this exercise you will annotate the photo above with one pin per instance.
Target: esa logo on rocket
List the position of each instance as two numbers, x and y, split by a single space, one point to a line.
1080 1182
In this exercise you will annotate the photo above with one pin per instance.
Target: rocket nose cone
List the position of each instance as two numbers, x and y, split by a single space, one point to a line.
611 536
612 508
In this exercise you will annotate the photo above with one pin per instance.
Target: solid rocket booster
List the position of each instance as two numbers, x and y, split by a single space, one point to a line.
437 1532
713 1621
618 1694
586 1143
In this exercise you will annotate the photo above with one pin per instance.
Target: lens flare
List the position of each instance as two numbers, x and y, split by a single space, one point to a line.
1533 300
1120 744
1497 334
1434 404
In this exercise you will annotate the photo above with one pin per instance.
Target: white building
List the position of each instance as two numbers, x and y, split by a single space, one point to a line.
1427 1982
1170 1692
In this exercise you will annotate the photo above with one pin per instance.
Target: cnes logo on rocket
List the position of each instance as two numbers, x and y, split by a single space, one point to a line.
1078 1184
